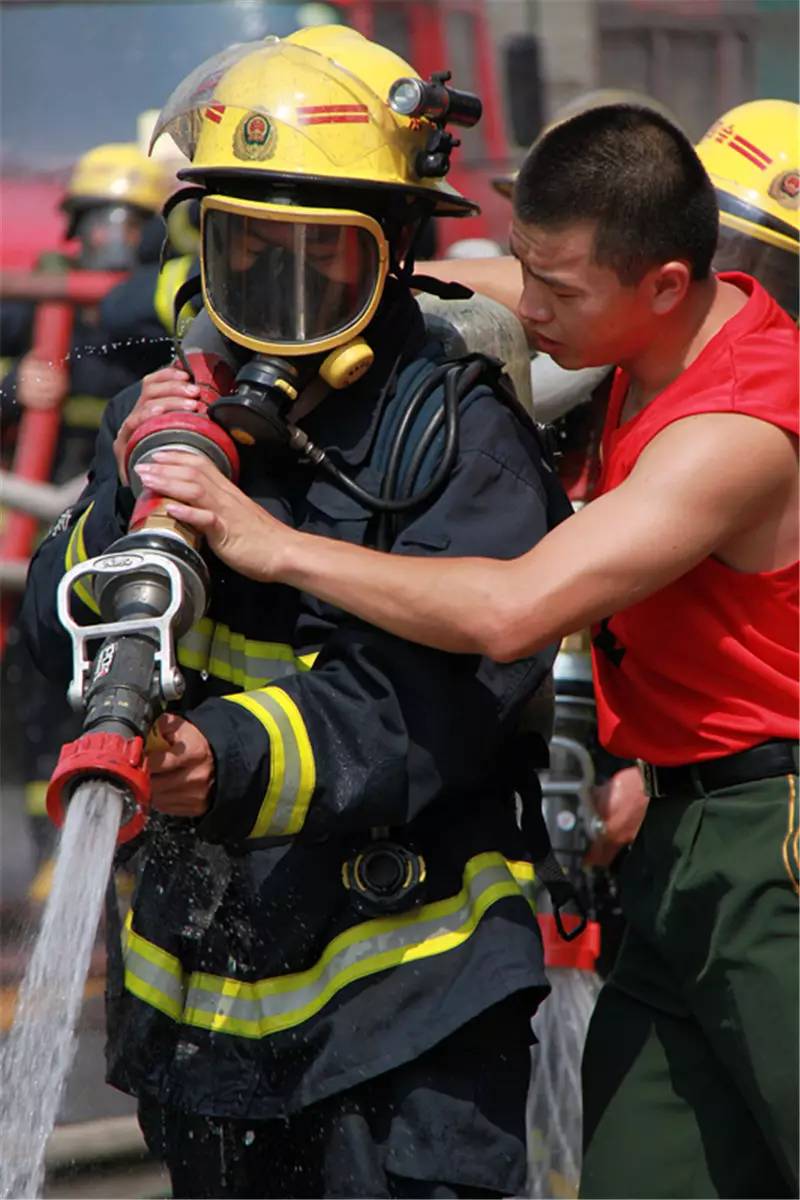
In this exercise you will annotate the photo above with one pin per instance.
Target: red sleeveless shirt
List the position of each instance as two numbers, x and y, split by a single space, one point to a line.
708 665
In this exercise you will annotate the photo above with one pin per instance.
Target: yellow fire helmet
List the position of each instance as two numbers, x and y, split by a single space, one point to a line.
117 173
302 159
183 221
752 155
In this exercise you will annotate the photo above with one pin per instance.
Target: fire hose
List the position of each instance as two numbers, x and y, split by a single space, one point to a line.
150 587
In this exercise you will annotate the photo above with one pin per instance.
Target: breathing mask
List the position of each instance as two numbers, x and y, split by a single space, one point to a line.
296 285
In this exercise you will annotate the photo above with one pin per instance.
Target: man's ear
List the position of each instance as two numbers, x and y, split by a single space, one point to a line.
667 285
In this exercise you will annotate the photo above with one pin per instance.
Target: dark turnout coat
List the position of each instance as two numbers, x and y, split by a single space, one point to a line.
248 984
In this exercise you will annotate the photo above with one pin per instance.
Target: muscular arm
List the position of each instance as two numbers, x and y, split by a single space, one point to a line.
702 482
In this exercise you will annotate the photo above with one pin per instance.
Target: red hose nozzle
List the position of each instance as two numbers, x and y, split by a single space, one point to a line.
120 760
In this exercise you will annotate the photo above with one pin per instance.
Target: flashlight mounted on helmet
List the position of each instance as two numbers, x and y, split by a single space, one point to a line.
434 101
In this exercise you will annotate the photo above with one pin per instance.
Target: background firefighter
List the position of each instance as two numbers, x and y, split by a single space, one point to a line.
331 965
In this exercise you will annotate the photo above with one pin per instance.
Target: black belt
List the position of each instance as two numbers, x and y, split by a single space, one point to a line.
759 762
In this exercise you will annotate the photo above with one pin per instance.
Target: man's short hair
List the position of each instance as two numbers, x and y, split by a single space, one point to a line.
635 174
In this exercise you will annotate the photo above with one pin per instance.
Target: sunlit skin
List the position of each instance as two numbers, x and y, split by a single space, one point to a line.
182 770
621 805
40 384
573 309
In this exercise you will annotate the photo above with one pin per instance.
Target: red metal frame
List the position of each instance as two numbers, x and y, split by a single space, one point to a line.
37 438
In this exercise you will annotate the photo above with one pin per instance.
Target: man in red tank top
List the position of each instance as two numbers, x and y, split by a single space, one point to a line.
686 567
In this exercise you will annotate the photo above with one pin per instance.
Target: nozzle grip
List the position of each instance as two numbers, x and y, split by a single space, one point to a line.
99 755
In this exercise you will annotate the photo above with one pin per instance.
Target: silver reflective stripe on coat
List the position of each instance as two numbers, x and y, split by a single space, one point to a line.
292 769
216 649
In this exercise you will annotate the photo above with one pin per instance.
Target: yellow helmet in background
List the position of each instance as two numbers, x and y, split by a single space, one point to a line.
752 155
303 159
504 184
117 173
114 193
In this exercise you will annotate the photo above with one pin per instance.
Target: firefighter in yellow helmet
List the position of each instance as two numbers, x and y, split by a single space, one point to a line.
752 154
113 191
332 958
147 297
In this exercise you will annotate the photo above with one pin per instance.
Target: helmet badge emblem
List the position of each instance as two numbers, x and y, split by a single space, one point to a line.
785 188
254 139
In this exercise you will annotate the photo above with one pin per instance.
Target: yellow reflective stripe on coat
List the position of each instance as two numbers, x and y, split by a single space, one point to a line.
171 278
83 412
76 553
230 656
36 798
151 973
292 771
267 1006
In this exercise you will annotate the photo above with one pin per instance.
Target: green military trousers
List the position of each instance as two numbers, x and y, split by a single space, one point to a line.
690 1071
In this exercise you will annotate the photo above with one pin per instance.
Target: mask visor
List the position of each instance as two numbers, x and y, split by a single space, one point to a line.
279 278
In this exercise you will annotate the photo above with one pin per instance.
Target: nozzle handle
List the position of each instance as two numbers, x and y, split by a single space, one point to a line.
170 678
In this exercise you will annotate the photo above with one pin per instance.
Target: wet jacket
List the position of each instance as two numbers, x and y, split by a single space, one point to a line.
251 985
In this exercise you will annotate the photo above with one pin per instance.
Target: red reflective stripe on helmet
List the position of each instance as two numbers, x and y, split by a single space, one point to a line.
332 114
329 108
347 119
753 149
762 166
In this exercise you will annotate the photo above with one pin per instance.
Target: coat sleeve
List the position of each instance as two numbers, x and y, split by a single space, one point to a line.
88 527
381 728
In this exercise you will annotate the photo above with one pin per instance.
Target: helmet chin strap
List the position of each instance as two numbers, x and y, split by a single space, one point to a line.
405 274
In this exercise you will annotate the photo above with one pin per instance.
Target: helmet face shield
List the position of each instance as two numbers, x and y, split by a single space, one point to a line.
109 237
775 268
291 280
313 106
